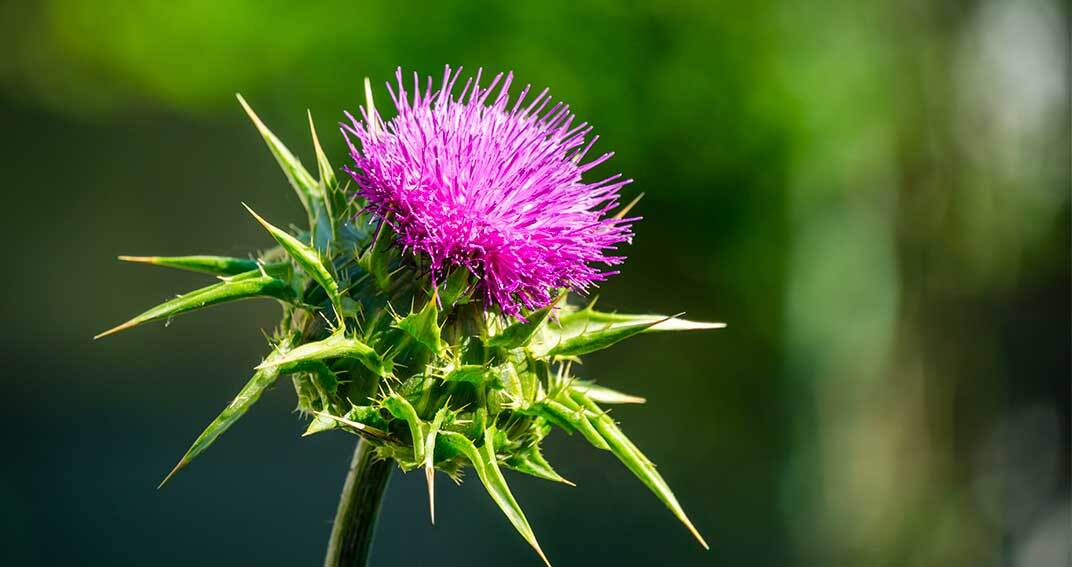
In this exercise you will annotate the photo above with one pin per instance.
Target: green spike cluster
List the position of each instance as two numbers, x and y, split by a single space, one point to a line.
444 386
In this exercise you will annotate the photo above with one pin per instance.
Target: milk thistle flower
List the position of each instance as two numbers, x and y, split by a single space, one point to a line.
477 182
426 310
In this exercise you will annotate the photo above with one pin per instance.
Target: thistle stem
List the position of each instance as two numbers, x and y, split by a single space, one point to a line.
359 508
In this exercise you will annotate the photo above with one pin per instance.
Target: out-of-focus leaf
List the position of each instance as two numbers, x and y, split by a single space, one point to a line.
215 265
377 257
249 395
636 462
370 110
338 345
471 373
487 469
605 395
451 291
228 290
424 326
309 260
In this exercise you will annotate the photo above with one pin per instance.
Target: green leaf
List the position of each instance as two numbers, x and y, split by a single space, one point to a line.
335 202
377 257
215 265
327 173
228 290
309 260
424 326
568 411
360 428
363 420
593 340
636 462
338 345
249 395
520 333
604 395
487 469
300 179
531 462
582 320
471 373
418 429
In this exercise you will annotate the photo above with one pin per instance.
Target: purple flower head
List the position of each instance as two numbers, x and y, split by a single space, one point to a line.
474 181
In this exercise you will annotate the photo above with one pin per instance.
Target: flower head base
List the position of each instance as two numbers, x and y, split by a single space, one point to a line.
474 181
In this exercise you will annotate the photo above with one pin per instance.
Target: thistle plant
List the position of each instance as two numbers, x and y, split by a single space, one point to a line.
426 308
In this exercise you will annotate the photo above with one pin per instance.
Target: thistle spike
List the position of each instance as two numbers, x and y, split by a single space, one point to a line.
429 477
247 396
231 290
215 265
309 260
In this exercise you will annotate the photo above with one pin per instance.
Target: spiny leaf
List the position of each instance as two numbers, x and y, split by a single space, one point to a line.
327 173
402 409
597 339
604 395
338 345
577 322
424 326
249 394
471 373
569 412
300 179
215 265
335 203
361 428
229 290
487 469
520 333
362 419
636 462
531 462
309 260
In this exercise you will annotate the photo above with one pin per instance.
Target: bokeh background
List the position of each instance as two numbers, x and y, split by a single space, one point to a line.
874 195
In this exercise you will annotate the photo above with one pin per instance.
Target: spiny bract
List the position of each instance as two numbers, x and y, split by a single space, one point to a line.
412 354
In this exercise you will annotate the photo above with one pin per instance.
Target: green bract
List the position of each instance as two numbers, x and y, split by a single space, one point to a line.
426 375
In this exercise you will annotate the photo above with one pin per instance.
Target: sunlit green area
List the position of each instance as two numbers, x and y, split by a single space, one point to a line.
873 195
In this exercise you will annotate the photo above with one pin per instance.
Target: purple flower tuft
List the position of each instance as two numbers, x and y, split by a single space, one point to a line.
495 188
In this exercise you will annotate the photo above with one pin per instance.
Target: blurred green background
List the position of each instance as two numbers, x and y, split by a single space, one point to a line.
874 195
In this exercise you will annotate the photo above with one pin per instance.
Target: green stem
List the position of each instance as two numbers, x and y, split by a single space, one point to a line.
359 507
